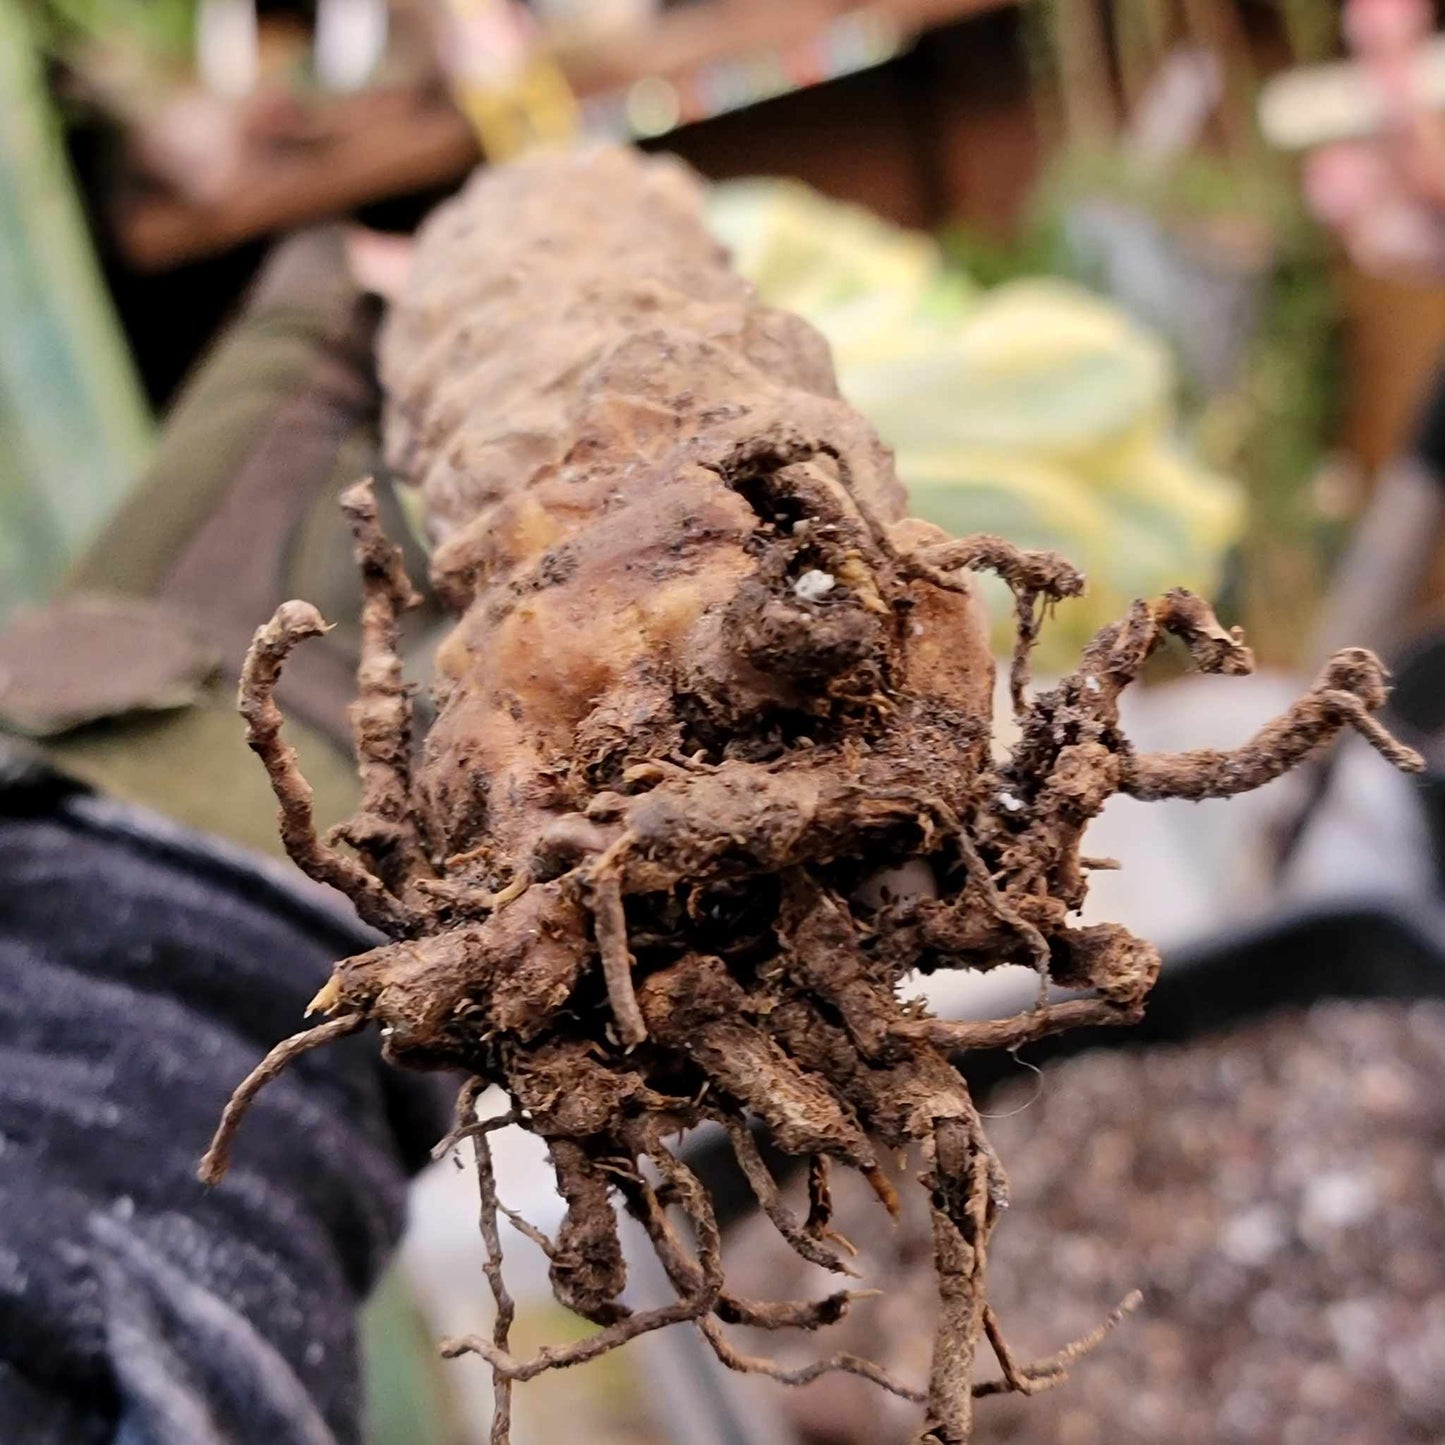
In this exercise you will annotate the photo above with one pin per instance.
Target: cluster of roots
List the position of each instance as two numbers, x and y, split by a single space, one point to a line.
680 875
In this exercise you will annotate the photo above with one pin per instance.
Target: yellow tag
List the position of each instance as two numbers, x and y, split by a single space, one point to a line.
505 82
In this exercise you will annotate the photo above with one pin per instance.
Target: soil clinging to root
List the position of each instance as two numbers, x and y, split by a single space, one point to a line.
711 772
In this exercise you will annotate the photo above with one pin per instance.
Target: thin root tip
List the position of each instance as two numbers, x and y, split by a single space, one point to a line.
359 495
887 1194
328 996
300 619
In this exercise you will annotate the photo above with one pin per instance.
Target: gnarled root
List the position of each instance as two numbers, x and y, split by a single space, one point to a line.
384 829
1346 694
1037 580
293 623
721 936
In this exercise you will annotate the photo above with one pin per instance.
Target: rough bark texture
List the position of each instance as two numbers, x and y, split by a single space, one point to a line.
711 766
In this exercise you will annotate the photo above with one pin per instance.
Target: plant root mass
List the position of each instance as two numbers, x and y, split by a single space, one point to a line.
711 773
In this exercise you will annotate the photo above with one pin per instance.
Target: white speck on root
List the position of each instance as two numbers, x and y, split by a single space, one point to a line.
813 585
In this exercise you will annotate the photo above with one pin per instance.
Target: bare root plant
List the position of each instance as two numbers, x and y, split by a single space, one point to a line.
711 774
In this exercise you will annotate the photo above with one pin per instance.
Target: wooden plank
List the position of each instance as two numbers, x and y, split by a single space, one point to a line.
279 189
434 146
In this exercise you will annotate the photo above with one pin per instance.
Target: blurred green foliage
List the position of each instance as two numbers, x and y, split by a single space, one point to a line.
405 1393
165 28
1271 425
74 426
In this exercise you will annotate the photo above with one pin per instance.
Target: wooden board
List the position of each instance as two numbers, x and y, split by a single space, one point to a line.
433 145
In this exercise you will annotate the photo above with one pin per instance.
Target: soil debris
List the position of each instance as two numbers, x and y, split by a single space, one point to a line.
1279 1203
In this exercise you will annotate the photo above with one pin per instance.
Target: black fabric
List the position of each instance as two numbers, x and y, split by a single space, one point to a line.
143 971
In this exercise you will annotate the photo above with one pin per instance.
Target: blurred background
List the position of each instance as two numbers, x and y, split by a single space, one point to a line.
1159 283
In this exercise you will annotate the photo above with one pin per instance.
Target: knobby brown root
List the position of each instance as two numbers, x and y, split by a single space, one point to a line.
1037 580
1351 685
293 623
698 1014
611 925
711 775
384 829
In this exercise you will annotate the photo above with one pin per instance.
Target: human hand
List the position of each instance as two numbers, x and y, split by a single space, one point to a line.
1385 196
379 261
